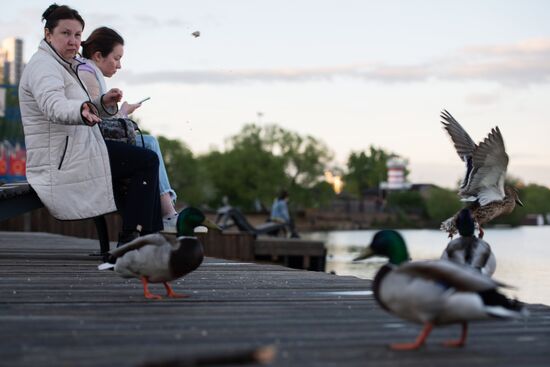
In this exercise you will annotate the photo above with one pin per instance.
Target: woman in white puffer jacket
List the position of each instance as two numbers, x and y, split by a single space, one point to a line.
69 164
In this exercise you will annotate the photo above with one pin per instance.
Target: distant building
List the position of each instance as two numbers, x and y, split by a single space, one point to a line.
2 101
3 62
11 60
396 175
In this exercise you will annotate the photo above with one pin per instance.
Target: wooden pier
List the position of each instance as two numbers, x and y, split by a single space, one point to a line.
57 309
234 245
290 252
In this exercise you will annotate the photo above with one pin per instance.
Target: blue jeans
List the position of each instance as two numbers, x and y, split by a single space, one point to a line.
152 143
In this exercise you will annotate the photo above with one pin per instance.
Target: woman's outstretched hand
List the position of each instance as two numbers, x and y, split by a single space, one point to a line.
89 114
111 98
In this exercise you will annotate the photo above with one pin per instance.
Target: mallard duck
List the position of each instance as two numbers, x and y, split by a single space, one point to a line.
154 258
483 185
468 249
435 292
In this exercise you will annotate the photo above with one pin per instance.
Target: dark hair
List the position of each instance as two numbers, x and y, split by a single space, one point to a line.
102 39
55 13
282 195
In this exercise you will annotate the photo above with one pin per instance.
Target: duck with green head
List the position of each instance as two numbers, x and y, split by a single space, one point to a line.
435 292
155 259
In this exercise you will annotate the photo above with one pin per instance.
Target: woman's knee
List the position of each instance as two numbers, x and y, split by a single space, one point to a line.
150 142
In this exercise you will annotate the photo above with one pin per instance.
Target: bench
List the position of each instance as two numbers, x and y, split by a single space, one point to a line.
19 198
228 217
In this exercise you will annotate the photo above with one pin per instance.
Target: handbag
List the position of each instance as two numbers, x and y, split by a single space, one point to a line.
121 129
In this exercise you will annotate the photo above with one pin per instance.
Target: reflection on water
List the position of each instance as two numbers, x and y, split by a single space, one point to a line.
523 255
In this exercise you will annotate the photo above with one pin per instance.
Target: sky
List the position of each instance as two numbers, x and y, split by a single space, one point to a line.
349 73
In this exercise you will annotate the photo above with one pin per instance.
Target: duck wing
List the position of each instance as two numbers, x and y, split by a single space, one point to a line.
490 163
486 163
155 239
453 275
150 261
463 143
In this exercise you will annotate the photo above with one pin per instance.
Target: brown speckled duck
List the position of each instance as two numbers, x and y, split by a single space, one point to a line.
483 185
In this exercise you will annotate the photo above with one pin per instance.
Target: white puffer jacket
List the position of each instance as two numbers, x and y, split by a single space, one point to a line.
67 160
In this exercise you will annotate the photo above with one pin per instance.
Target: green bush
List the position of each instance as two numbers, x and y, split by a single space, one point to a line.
441 204
410 202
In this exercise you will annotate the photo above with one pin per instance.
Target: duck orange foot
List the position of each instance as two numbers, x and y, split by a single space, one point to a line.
170 292
417 343
459 342
146 292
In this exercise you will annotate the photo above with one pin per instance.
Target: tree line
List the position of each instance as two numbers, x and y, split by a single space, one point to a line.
259 161
255 165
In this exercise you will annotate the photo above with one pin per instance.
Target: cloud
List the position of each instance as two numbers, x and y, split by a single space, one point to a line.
396 73
508 72
519 64
366 72
149 21
522 63
534 46
235 76
482 98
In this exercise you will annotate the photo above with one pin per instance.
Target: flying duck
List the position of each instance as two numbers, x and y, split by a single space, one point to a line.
155 259
435 292
483 184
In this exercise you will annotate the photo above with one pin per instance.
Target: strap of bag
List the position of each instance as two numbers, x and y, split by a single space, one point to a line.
136 127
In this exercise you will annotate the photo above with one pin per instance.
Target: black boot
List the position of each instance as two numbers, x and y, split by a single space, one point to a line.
123 238
126 236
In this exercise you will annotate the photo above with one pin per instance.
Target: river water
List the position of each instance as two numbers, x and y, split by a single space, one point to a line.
523 255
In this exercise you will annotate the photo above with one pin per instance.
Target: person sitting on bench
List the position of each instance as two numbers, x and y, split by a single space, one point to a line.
280 213
69 164
227 217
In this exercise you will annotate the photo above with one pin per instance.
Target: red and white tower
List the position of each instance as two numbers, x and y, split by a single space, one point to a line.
396 175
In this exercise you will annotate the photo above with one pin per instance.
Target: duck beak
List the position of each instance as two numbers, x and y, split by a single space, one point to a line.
209 224
518 201
364 254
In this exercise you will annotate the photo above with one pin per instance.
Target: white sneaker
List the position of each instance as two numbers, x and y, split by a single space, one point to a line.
200 229
170 224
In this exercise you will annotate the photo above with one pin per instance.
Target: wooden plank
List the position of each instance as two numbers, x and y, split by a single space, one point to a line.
288 246
236 245
57 309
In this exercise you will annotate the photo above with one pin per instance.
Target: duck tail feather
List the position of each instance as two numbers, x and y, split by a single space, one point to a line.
499 312
106 266
497 305
448 225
